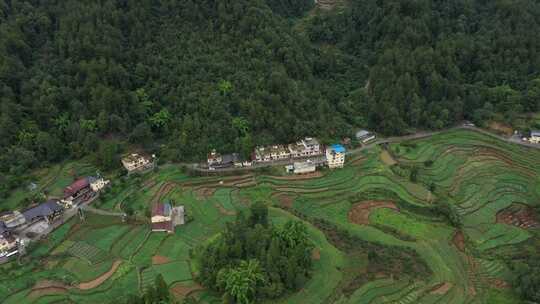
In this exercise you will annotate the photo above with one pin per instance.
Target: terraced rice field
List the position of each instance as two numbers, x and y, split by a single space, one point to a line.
491 185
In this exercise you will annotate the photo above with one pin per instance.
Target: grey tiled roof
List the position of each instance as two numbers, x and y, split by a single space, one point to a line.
42 210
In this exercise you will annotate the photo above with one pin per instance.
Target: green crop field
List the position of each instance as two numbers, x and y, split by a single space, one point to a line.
379 235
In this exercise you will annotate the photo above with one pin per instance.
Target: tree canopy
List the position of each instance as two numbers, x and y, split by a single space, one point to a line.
252 259
182 77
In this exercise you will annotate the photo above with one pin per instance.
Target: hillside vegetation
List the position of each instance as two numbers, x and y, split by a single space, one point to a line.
464 228
181 77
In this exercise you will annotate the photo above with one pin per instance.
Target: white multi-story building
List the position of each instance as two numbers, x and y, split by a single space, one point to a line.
266 154
136 162
335 156
306 147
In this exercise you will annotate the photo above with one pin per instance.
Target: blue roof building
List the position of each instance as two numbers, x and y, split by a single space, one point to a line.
338 148
335 156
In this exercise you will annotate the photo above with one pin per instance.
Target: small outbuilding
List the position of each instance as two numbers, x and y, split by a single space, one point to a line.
304 167
365 136
535 136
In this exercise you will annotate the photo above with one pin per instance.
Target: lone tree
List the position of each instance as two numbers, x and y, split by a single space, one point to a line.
240 283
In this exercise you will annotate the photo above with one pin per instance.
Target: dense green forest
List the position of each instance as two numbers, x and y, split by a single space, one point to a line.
181 77
253 260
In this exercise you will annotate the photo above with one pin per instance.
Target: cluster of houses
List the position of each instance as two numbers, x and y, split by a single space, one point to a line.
305 156
14 224
166 217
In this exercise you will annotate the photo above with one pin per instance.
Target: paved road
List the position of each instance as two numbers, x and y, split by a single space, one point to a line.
395 139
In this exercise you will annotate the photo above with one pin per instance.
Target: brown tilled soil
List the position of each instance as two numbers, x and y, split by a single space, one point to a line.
102 278
179 290
204 193
163 190
498 283
501 128
47 287
285 200
149 184
518 215
301 190
224 211
159 259
247 184
387 158
316 254
441 289
359 213
315 174
459 240
41 292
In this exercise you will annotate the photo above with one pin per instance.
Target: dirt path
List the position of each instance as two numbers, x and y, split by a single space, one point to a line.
224 211
459 240
180 290
359 213
441 289
387 159
315 174
99 280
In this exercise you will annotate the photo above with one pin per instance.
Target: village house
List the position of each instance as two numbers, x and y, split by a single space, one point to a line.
48 211
214 158
8 243
306 147
165 217
12 219
304 167
135 162
335 156
226 161
535 137
271 153
83 190
365 136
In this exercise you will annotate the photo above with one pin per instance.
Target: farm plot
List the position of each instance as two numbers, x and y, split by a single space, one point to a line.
488 183
144 255
174 272
87 252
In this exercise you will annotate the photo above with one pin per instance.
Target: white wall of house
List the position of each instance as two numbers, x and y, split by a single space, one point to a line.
99 184
160 218
335 160
132 165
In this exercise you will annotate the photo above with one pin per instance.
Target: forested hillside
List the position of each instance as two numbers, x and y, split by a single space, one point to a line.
432 63
181 77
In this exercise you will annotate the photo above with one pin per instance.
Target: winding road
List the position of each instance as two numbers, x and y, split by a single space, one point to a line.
396 139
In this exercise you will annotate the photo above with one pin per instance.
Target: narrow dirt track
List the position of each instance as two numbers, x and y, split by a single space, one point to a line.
99 280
